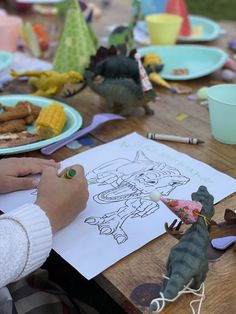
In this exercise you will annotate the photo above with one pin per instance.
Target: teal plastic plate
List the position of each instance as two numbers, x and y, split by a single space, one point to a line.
211 31
74 122
6 59
199 60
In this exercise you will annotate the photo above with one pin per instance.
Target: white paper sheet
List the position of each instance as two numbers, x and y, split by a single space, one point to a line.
120 218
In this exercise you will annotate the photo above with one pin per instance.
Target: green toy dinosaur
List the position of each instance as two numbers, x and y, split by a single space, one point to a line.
122 36
188 260
122 96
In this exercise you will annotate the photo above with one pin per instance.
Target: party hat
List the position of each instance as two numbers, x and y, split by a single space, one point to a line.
179 7
188 211
76 45
146 84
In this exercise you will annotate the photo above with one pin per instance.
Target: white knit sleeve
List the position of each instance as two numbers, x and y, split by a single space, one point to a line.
25 242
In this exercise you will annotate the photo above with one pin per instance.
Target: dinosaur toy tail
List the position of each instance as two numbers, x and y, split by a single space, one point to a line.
74 92
88 75
88 81
173 285
170 290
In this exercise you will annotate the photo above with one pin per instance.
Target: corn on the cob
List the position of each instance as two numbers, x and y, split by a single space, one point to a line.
51 120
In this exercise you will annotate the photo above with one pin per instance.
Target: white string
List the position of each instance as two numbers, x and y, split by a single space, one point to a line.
185 290
202 297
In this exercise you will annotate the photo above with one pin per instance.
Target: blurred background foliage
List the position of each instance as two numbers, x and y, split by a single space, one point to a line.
215 9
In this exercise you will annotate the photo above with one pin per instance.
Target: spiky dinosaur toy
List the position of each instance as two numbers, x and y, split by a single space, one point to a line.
188 262
122 96
49 83
110 65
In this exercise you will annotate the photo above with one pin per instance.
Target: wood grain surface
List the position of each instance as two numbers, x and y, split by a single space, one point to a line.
134 281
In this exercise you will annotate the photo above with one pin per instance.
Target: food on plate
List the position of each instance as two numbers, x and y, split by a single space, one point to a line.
23 110
13 126
180 72
8 140
51 120
13 114
48 122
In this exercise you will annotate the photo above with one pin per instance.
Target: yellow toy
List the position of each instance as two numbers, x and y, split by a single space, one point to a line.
152 59
49 83
154 64
157 79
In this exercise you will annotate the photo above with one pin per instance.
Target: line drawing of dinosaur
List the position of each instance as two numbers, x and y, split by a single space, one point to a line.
130 183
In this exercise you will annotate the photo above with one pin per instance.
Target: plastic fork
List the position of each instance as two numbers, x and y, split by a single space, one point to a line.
97 120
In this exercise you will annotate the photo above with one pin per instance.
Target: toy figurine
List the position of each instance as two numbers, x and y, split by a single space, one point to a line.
122 38
49 83
188 263
152 63
109 64
125 85
122 95
221 234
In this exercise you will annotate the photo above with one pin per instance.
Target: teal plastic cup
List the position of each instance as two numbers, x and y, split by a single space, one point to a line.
222 110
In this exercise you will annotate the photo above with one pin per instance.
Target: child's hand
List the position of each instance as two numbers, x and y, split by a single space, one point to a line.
62 199
14 172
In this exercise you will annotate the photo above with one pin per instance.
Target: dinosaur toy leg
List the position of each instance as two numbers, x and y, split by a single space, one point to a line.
109 105
46 93
200 278
148 110
34 82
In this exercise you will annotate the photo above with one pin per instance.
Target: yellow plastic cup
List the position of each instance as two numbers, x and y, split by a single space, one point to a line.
163 28
9 32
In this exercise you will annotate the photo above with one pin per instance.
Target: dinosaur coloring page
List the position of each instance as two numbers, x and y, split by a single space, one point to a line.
120 217
129 183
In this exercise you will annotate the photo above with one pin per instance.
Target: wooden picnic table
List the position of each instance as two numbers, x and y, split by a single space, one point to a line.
134 281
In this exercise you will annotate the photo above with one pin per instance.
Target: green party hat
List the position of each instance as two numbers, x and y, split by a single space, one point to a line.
76 45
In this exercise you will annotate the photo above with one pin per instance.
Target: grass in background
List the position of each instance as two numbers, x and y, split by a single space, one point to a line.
215 9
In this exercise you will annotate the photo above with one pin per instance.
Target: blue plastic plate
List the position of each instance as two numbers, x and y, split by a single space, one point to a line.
74 122
211 31
199 60
6 59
